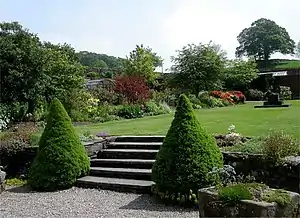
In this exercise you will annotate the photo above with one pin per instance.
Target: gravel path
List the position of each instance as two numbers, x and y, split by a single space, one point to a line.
77 202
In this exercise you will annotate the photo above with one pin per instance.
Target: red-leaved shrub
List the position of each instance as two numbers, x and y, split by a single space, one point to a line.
133 88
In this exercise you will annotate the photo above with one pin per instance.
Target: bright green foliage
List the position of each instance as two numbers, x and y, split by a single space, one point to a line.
187 155
240 73
142 62
235 193
198 67
61 157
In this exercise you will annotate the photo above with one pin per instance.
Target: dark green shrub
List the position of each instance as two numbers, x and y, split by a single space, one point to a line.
61 157
17 138
130 111
254 95
168 96
107 96
14 145
187 155
232 194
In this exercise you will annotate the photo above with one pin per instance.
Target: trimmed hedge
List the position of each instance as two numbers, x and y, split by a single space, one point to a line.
186 156
61 157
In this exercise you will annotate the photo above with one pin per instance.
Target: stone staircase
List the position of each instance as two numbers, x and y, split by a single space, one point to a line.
124 165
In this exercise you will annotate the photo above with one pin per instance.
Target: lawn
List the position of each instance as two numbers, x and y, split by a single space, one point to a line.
288 64
248 121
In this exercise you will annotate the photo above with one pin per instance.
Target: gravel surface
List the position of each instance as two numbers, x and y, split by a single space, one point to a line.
77 202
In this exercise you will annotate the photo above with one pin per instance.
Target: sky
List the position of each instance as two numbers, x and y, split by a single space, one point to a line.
115 27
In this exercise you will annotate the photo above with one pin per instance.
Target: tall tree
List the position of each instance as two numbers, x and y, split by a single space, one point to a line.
239 73
262 39
298 50
141 62
31 70
21 65
199 67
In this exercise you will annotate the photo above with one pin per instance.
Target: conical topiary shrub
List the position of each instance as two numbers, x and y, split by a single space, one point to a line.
61 157
186 156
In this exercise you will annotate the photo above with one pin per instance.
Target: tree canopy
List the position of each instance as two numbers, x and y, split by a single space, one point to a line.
142 62
199 67
91 59
32 70
298 50
239 73
262 39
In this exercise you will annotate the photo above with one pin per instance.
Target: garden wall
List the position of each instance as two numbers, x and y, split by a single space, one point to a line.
18 163
286 176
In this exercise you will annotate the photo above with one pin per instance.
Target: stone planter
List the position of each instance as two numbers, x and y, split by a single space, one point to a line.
2 179
211 206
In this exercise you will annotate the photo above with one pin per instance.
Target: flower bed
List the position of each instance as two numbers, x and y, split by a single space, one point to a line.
230 96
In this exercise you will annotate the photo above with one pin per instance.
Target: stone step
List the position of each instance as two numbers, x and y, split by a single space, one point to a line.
127 154
121 173
135 145
123 163
115 184
139 138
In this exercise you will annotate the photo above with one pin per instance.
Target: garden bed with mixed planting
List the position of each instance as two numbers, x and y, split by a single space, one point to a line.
247 199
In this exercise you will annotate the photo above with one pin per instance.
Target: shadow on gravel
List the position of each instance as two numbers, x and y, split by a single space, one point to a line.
19 189
151 203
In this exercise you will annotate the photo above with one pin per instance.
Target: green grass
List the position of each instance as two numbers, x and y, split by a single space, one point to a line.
248 121
279 64
288 64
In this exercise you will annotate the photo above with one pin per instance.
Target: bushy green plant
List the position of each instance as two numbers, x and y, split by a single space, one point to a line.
279 144
61 157
208 101
107 96
252 146
187 155
285 92
165 107
15 182
218 102
151 108
278 196
130 111
232 194
168 96
17 138
255 95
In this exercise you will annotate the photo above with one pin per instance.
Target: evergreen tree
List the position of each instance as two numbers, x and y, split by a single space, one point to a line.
186 156
61 157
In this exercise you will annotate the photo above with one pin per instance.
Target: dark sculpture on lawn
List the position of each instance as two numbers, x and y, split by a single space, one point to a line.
273 97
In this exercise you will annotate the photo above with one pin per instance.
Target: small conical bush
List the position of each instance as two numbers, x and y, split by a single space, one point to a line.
186 156
61 157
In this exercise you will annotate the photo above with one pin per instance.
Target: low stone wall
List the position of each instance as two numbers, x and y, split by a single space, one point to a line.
286 176
18 163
